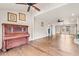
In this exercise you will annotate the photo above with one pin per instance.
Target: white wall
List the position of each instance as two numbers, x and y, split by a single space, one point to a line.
39 31
3 19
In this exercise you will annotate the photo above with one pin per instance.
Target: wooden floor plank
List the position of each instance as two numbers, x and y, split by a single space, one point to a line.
60 45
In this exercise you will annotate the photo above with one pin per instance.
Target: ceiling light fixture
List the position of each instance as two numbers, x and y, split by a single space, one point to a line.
73 14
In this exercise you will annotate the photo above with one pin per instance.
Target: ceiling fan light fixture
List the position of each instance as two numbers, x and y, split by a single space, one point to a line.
60 20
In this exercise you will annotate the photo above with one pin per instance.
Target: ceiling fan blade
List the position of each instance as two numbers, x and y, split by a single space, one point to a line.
28 9
31 4
36 8
22 3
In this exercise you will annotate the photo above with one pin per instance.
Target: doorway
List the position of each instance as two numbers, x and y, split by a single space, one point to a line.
66 29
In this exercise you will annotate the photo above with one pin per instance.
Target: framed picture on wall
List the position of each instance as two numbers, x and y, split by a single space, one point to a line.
42 24
22 16
12 17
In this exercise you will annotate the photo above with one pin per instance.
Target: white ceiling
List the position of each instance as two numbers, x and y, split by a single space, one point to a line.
64 12
47 6
13 6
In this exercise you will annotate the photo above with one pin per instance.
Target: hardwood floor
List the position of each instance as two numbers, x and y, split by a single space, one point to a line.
60 45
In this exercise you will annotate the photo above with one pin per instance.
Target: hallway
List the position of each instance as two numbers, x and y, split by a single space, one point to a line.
60 45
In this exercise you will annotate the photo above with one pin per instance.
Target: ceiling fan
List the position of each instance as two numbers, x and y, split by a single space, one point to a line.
60 20
30 5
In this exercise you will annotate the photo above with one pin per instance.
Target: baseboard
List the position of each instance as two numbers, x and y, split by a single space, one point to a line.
38 38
